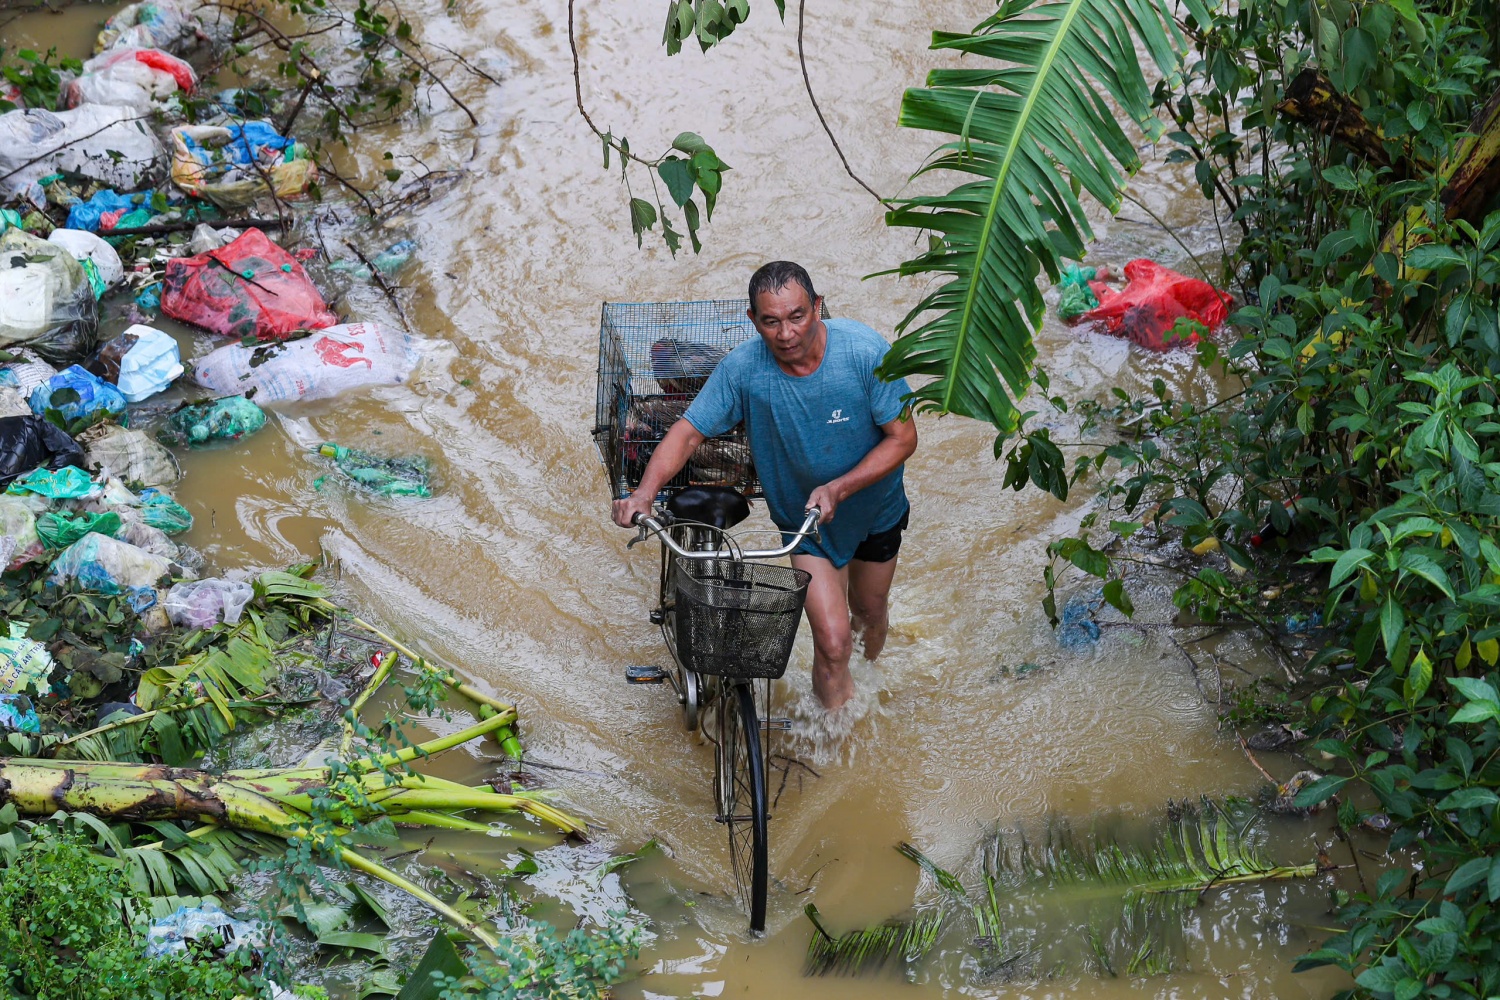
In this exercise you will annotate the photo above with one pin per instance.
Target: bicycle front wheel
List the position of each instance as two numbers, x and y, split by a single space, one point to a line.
740 765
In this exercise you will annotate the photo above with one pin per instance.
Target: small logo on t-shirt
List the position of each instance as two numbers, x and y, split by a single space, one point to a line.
838 417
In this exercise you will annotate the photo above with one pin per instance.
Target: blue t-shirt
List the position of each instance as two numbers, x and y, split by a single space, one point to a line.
807 431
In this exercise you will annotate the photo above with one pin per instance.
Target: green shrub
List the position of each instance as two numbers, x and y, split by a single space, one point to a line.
71 926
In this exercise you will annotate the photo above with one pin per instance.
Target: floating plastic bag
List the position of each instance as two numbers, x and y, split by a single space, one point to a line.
328 363
390 260
58 529
28 442
163 513
207 602
1152 303
19 542
1078 627
107 565
97 399
229 165
161 24
104 210
250 287
46 300
24 663
141 361
170 936
71 483
130 77
85 246
392 477
98 142
227 419
131 455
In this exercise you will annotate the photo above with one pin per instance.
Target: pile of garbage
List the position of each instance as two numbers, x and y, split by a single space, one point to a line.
101 193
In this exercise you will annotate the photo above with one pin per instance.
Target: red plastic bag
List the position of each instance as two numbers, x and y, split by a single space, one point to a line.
1152 303
251 286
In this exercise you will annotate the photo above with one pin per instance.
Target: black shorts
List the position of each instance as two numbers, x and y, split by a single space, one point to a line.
882 546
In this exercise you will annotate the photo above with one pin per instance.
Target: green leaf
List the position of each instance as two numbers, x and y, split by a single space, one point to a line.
366 897
1322 789
1470 798
1418 678
1431 257
1347 564
642 217
353 939
1425 567
690 216
1474 688
440 957
1467 874
1114 593
1392 621
678 178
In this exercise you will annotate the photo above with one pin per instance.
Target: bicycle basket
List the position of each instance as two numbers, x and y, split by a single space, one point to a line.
654 357
738 619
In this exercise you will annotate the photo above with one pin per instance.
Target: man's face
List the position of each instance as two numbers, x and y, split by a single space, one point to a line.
788 321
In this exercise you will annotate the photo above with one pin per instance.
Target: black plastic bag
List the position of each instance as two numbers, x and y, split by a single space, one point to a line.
29 442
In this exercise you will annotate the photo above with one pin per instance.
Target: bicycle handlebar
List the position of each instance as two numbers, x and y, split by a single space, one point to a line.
809 527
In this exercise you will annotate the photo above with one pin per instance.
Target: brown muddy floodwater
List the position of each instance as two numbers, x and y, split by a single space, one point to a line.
514 575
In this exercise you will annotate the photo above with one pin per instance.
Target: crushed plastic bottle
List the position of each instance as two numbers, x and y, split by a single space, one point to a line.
392 477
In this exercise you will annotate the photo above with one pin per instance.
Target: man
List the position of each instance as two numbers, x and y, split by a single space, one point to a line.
824 432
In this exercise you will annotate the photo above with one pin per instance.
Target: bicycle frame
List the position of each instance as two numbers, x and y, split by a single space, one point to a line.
742 737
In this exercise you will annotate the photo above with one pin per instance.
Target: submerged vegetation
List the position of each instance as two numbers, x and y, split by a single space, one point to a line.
1123 901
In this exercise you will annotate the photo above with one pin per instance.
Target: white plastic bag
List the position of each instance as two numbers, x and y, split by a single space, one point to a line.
327 363
25 375
86 246
131 77
205 603
98 142
19 542
162 24
46 300
107 565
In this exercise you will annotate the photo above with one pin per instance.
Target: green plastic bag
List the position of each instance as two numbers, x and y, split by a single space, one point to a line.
67 483
392 477
162 512
1075 297
227 419
58 530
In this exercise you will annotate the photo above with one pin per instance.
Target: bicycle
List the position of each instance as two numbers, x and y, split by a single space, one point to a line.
729 618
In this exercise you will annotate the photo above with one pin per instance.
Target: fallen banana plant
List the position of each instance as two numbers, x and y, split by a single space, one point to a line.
279 802
1125 903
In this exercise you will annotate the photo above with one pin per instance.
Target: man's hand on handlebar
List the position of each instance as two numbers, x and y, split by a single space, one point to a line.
625 511
826 499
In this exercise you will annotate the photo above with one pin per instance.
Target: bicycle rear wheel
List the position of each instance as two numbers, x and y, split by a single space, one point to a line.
740 786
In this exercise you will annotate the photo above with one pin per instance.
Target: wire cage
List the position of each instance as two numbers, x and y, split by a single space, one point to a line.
738 619
654 357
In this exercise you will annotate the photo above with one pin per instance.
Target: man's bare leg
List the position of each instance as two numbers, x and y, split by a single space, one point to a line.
828 614
869 601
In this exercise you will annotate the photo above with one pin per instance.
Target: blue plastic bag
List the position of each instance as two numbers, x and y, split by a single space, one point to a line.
89 214
96 397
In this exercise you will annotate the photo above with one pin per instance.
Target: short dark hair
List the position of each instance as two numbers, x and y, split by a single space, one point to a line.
775 276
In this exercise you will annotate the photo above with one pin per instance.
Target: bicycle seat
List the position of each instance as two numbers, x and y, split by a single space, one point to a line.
719 506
